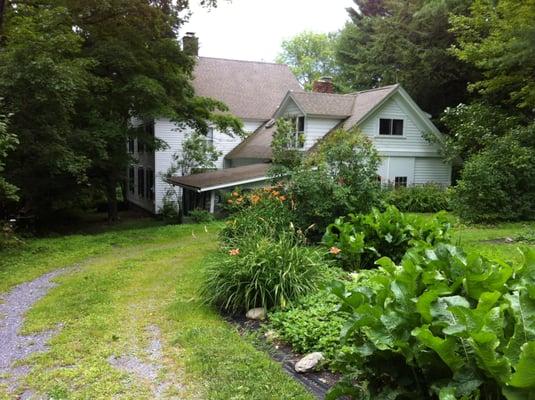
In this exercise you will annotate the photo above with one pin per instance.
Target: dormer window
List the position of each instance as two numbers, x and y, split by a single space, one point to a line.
390 127
297 140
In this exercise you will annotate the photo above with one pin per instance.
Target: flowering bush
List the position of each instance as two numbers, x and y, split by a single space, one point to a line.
260 213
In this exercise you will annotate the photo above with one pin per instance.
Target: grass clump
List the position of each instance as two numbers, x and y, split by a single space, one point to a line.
262 272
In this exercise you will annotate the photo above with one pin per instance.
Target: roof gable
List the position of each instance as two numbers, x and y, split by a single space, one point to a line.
324 104
251 90
352 109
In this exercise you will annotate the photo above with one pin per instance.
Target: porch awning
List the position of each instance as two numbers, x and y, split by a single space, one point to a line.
223 178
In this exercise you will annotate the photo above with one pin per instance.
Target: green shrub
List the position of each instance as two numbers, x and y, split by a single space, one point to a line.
441 324
358 240
339 178
201 216
8 238
313 324
499 183
171 209
262 272
420 198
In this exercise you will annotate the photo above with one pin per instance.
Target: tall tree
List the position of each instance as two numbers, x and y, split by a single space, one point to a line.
498 37
405 42
93 67
310 56
141 72
42 76
367 8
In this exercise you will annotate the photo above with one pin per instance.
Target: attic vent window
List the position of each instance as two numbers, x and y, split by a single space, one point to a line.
391 127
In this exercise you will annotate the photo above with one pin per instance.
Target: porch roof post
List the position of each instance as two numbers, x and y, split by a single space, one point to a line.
212 201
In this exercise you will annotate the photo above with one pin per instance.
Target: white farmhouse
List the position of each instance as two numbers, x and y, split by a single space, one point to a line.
258 93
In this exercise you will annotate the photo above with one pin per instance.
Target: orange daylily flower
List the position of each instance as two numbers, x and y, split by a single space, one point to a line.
334 250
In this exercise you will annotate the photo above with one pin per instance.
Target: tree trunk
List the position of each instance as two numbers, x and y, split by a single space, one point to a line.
111 193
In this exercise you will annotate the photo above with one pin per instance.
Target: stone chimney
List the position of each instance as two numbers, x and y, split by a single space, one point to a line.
323 85
190 44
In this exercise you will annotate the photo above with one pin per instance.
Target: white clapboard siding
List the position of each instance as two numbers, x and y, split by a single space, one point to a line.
317 128
291 109
412 140
427 169
167 131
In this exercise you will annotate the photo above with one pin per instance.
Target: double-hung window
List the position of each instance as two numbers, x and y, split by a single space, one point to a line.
141 182
131 180
150 184
400 181
390 127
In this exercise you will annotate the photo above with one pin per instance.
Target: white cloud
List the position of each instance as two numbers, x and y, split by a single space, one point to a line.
254 29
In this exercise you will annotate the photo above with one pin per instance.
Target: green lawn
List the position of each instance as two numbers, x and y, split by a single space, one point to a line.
140 275
131 279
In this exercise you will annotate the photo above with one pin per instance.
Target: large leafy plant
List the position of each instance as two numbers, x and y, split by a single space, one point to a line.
358 240
442 324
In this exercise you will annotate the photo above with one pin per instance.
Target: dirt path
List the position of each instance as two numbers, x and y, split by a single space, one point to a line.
15 346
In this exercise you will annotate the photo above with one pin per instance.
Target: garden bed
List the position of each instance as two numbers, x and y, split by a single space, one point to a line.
317 382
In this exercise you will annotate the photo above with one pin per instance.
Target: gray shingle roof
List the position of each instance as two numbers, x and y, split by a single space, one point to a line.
257 145
251 90
365 102
222 178
335 105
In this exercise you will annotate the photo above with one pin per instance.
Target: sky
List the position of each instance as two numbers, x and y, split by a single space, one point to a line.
254 29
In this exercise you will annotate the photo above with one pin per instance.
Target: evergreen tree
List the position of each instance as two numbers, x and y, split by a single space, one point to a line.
405 42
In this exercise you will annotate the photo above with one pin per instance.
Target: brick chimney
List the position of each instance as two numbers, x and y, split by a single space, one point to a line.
190 44
323 85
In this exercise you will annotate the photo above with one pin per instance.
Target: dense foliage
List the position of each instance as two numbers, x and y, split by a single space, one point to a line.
91 67
498 37
8 141
263 272
441 324
406 42
499 182
358 240
337 178
314 324
418 198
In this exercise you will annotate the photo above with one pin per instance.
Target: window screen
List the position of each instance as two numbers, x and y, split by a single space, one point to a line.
400 181
141 182
131 180
384 126
390 127
150 184
397 127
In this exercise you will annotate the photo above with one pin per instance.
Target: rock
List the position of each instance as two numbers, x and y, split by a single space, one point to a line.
257 314
308 362
509 240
